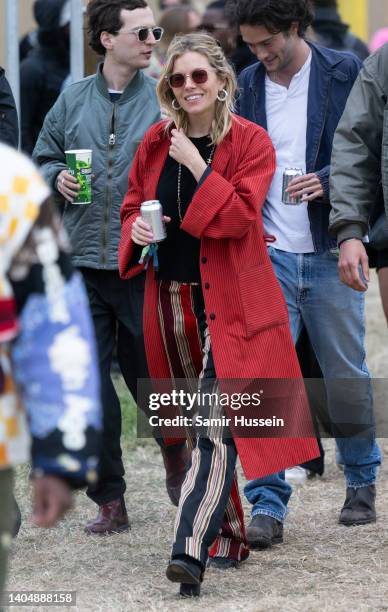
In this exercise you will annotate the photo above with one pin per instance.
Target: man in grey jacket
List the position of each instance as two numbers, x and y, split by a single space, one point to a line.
108 113
359 162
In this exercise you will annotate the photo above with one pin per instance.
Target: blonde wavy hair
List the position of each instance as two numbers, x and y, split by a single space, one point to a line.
209 48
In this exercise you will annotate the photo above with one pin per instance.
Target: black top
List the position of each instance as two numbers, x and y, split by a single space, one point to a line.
43 71
42 74
179 253
114 96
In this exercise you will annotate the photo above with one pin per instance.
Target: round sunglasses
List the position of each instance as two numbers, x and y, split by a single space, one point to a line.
143 33
177 79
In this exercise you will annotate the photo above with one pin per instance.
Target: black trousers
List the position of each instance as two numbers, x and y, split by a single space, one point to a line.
117 311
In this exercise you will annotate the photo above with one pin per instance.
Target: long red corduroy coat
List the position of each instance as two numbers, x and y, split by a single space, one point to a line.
246 311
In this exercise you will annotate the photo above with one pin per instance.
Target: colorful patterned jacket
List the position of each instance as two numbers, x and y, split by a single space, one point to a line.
48 369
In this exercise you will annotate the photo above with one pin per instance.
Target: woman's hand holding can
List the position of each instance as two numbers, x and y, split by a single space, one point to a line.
142 232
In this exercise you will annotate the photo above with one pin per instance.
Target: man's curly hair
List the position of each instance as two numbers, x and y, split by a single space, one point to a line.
105 16
275 15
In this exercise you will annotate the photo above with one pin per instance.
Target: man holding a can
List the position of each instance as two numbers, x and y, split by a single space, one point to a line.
89 138
298 92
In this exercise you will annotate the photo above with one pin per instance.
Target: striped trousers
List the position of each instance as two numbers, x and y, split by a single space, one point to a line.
210 517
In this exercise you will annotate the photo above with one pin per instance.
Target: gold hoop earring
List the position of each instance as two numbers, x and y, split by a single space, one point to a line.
224 97
176 108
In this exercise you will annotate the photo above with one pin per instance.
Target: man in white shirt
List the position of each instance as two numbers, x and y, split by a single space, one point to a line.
298 92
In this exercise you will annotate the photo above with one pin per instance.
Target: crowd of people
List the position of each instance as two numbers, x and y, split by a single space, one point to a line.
243 93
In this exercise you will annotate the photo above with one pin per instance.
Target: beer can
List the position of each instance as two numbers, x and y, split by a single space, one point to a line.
288 175
152 213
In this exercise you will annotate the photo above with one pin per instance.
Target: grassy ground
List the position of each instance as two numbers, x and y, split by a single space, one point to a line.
321 566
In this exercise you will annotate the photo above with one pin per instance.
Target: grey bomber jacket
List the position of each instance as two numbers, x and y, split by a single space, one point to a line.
84 117
360 151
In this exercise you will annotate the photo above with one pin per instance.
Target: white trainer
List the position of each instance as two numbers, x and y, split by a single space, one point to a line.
296 475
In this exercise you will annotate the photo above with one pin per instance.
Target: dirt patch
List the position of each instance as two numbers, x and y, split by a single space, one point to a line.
321 566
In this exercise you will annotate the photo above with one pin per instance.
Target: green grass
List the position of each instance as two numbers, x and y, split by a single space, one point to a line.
129 415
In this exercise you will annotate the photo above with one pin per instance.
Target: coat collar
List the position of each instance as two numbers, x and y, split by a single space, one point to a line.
132 89
324 67
322 58
323 64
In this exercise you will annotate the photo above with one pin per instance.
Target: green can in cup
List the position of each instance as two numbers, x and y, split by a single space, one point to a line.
79 163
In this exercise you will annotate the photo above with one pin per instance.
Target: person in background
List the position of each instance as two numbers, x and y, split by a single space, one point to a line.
330 31
167 4
359 139
216 23
9 127
379 258
378 254
45 68
180 19
310 84
28 42
109 113
49 387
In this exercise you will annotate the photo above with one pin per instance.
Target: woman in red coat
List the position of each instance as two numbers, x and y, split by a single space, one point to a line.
213 308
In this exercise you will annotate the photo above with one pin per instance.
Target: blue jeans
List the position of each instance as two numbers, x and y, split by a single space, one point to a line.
333 315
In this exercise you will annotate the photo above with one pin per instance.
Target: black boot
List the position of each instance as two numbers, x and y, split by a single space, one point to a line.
188 572
359 507
190 590
177 460
263 531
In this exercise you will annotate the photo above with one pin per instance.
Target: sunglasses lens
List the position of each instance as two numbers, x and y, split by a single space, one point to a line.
176 80
157 32
199 76
143 34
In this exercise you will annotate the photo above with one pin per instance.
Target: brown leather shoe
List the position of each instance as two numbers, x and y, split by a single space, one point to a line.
263 531
112 517
177 460
359 507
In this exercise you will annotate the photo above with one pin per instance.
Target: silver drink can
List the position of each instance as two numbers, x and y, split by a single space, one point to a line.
288 175
152 213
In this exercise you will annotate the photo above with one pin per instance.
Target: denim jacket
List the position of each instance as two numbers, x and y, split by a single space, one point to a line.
331 80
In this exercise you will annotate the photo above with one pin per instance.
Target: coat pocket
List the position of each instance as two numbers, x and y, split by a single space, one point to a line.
262 299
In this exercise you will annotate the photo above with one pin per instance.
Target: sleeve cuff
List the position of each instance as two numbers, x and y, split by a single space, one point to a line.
53 181
324 177
352 230
203 177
